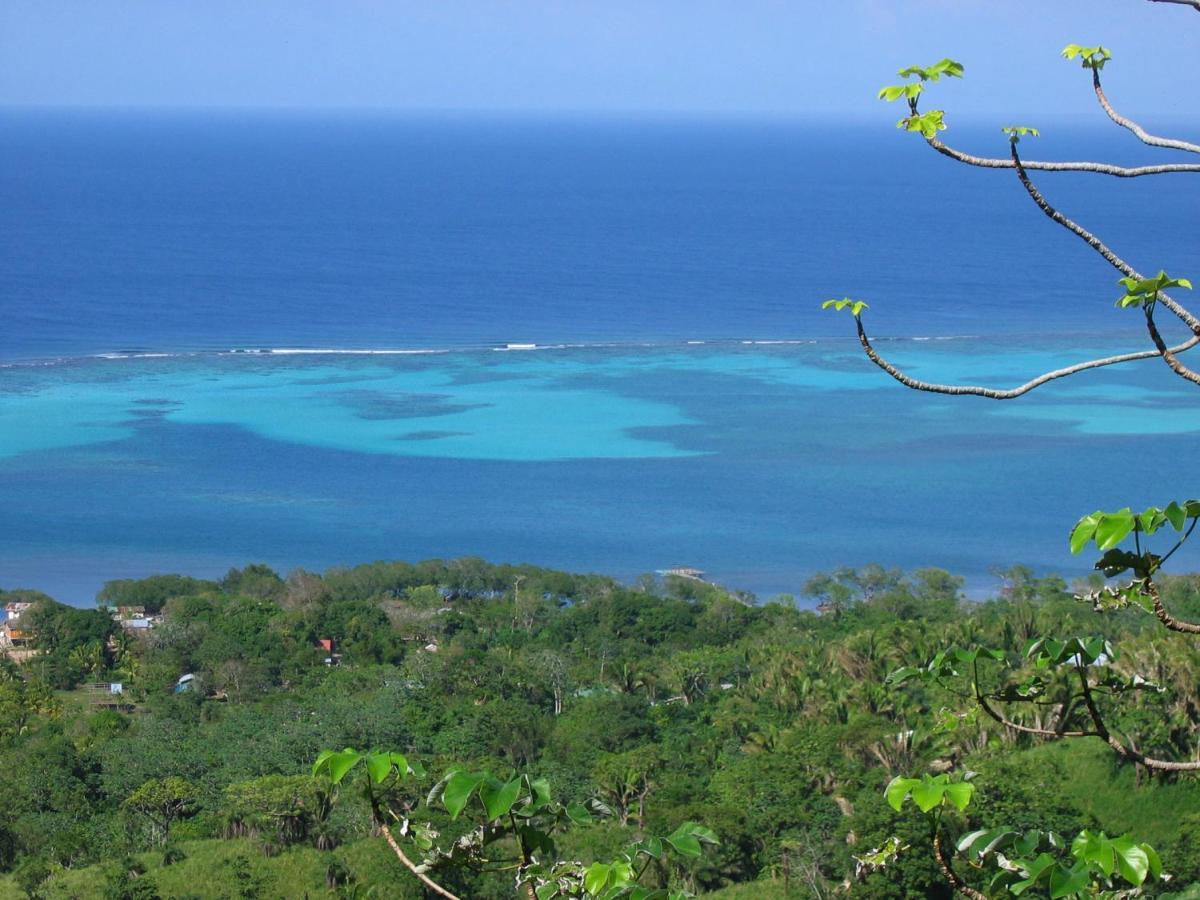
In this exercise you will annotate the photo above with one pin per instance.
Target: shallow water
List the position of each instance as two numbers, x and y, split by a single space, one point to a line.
759 464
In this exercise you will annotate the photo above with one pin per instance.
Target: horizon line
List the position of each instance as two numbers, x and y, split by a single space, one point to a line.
866 115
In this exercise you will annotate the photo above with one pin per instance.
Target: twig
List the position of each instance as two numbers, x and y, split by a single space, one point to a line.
408 863
1129 753
951 876
1165 617
1009 394
1179 543
530 891
987 708
412 867
990 162
1041 732
1165 352
1144 136
1194 4
1101 730
1095 243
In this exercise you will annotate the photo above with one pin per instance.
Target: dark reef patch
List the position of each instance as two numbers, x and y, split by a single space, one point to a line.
382 405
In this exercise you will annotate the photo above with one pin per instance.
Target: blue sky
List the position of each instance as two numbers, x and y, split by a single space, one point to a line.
787 57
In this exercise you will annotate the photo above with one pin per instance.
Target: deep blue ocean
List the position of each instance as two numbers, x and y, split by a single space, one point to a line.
685 401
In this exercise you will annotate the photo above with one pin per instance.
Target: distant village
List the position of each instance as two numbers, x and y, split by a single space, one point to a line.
16 643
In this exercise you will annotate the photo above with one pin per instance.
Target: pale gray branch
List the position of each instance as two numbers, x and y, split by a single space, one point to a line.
988 162
1009 394
1096 244
413 867
1100 729
1165 617
1194 4
1168 356
1040 732
952 877
1144 136
1122 749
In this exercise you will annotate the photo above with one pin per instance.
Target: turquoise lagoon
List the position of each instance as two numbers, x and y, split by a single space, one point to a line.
758 462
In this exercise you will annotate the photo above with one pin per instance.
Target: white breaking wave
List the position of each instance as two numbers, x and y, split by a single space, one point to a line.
506 347
138 355
339 351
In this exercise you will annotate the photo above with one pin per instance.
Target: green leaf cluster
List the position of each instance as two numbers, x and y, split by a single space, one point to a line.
929 792
947 67
380 765
610 880
1094 864
1108 529
1030 861
1050 652
856 307
520 808
1089 57
519 795
911 90
1016 132
942 664
1145 291
928 124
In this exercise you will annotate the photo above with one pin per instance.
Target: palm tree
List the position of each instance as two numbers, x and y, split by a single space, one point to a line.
628 679
89 658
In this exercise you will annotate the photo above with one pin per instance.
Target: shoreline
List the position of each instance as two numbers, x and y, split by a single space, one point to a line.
975 589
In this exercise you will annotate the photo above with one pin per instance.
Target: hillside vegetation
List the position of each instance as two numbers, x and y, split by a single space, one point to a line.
670 701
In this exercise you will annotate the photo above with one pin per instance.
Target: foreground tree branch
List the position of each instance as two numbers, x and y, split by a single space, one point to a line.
987 162
951 876
1194 4
1026 729
1167 353
413 867
1142 135
1095 243
418 871
1100 729
1125 749
1165 617
1121 749
1011 393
